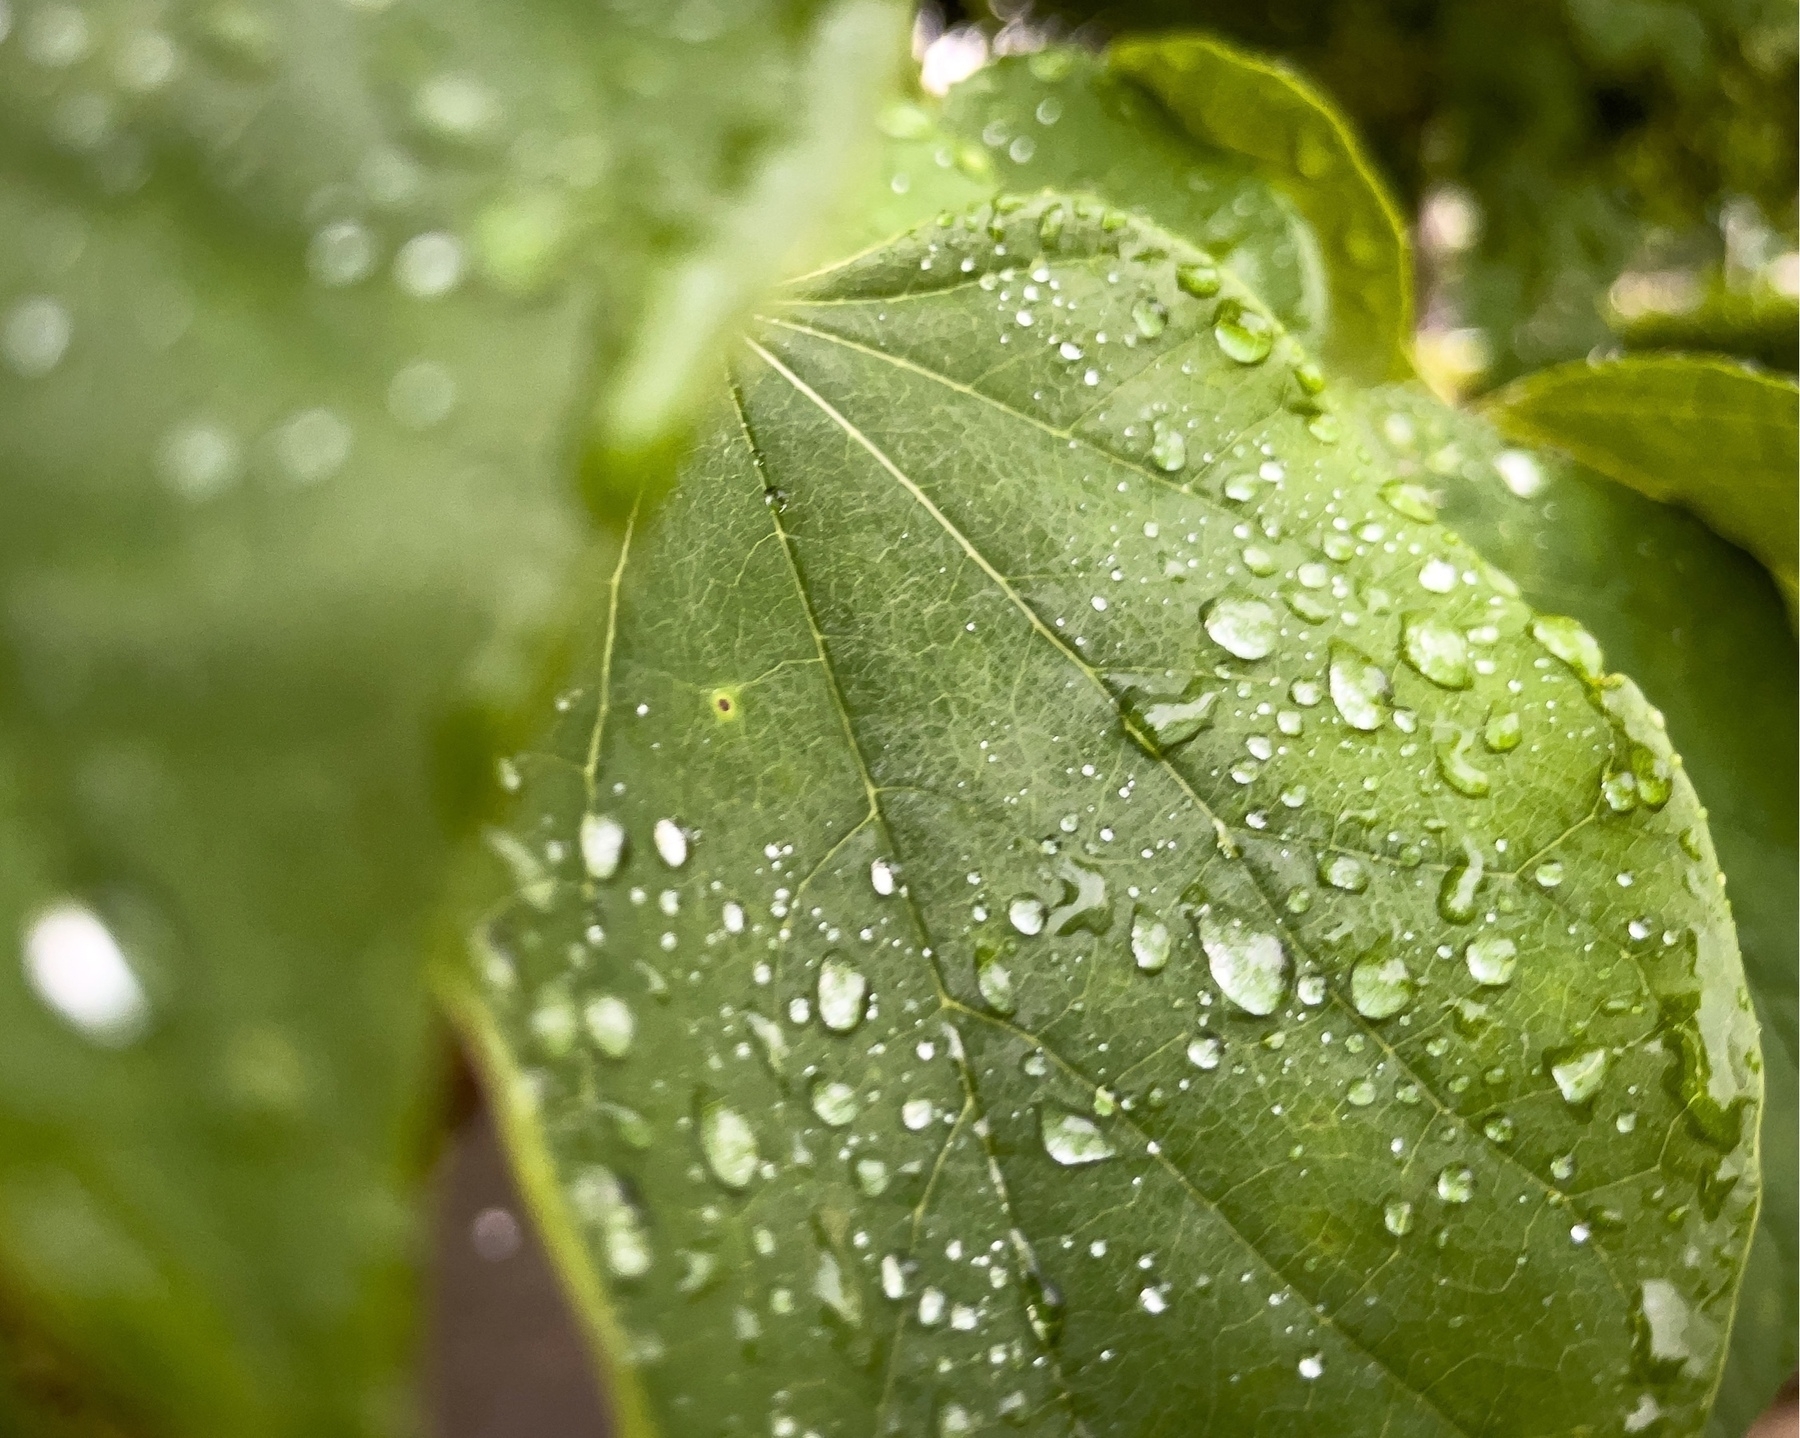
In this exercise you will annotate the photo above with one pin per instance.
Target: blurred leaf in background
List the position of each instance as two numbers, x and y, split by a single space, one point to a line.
1581 168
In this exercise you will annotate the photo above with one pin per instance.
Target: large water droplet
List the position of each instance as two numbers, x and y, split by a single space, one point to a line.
1026 915
1359 688
1380 987
602 844
1072 1138
1491 960
1199 280
1412 500
843 994
1458 895
1456 1184
835 1103
1167 721
1150 943
1250 968
78 969
1437 649
1662 1325
1084 902
1569 642
1457 768
1241 625
1502 733
1245 335
728 1144
1150 316
1311 1367
1168 449
1344 871
831 1288
1580 1075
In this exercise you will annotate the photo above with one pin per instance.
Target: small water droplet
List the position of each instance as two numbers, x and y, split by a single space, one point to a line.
1461 887
1250 968
1580 1075
728 1144
1380 987
1150 316
611 1025
1360 688
1152 1300
1456 1184
1412 500
671 842
1344 871
1312 1366
1437 649
1244 335
1027 915
881 877
598 1197
1360 1094
1519 471
602 844
1491 960
1205 1052
843 994
1397 1218
1073 1139
78 969
1199 280
1437 575
1457 768
1548 874
993 977
1168 449
835 1103
1502 733
917 1113
1499 1129
1150 943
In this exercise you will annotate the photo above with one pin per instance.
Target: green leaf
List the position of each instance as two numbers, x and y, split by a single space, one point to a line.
1013 936
304 314
1060 120
1702 627
1718 439
1261 108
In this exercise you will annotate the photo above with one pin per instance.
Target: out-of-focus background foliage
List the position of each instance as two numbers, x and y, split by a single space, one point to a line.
1584 172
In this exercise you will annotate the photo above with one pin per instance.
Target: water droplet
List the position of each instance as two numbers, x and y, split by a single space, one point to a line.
1250 968
1360 1094
1580 1075
917 1113
199 459
1572 644
1072 1139
671 842
843 995
597 1196
1205 1052
1499 1129
1548 874
881 877
993 977
1519 471
1457 768
872 1179
773 1041
35 335
728 1144
835 1103
1084 901
1312 1366
1167 721
1437 575
341 253
1359 688
1244 335
1491 960
1150 943
1412 500
78 969
1502 733
1456 1184
1027 915
1152 1300
1662 1325
1168 449
1199 280
611 1025
1380 987
1150 316
602 844
421 395
1457 895
1344 871
1397 1218
1241 625
1437 649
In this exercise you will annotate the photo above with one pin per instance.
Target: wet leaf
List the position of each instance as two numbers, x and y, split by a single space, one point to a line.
304 314
1262 109
1700 624
1704 433
938 570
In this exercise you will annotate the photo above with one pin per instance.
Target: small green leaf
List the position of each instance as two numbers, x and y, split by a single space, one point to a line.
1701 625
305 311
1060 120
1708 434
1261 109
944 575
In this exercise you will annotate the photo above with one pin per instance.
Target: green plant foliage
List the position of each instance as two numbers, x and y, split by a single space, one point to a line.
1061 892
1704 433
1702 627
1263 109
1593 134
303 326
1060 120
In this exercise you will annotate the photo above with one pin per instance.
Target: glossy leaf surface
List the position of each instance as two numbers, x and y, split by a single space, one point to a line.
1061 894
